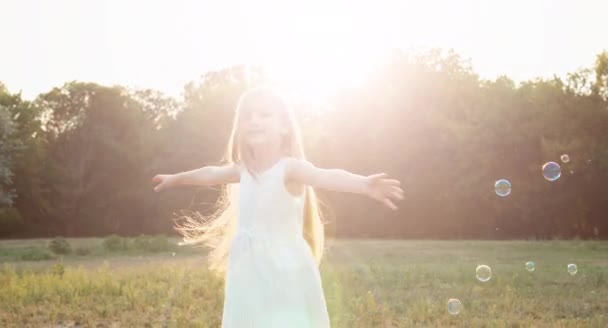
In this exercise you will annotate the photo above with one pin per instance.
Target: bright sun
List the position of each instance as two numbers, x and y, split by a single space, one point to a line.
316 47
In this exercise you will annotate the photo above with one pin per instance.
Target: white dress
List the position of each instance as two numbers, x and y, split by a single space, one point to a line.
272 279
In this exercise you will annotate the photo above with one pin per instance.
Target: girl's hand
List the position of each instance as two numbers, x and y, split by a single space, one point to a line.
384 190
166 181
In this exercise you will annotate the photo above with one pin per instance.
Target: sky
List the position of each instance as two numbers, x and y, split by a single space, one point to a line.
165 44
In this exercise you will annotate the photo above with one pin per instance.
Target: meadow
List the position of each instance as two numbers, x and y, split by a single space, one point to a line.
139 282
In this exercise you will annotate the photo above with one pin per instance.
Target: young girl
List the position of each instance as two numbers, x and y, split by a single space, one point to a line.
271 246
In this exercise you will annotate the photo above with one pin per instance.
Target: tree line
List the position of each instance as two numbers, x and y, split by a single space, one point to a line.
78 160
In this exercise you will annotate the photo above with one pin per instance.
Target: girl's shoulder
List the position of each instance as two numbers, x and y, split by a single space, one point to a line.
291 162
294 166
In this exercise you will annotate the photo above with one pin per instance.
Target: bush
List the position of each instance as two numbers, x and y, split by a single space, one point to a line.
60 245
115 243
37 254
83 251
156 243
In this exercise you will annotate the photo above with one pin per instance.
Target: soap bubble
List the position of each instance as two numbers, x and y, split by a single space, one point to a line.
530 266
565 158
483 273
552 171
502 187
454 306
572 269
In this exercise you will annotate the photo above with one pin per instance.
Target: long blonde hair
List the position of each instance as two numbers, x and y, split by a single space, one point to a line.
217 230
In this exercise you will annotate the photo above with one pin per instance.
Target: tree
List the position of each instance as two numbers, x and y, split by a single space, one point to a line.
8 147
600 87
101 149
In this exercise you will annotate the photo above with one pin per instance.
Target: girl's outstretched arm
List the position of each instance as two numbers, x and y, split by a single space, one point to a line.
376 186
205 176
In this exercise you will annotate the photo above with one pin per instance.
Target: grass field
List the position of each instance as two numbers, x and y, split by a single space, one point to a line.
367 284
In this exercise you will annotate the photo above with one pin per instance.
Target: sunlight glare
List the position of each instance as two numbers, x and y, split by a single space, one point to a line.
316 47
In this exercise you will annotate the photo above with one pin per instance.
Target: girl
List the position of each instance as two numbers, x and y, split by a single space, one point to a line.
272 250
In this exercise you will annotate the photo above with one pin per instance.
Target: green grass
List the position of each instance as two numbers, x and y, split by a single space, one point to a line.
367 284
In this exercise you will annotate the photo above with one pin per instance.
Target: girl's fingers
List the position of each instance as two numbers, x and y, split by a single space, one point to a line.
389 204
396 189
377 177
397 195
391 182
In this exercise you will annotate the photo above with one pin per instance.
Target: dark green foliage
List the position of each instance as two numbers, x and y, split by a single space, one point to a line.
37 254
427 120
83 251
60 245
115 243
156 243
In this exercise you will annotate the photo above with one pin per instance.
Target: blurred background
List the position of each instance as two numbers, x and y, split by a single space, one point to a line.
97 97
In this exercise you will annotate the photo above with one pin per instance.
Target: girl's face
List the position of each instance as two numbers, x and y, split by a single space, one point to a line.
261 126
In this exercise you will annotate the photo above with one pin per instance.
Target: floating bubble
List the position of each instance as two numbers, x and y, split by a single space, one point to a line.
565 158
572 269
530 266
483 273
552 171
502 187
172 254
571 172
454 306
